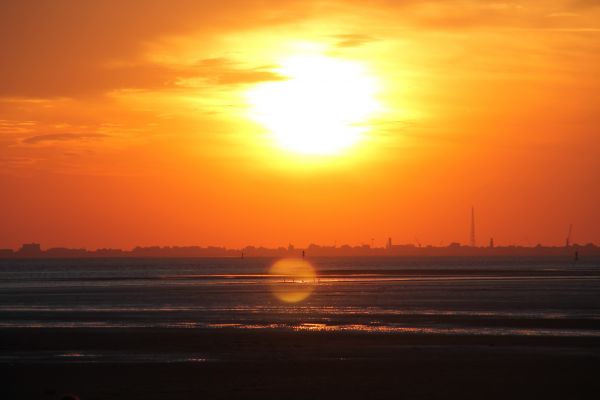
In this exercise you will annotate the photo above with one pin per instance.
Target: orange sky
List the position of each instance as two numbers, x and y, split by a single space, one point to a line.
127 123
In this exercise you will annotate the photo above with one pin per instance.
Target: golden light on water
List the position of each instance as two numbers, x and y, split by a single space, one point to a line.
293 279
321 106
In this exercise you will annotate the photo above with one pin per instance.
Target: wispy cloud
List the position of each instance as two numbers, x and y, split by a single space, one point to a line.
353 40
61 137
67 53
562 15
586 3
224 71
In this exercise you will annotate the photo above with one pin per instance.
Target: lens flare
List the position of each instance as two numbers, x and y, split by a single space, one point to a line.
293 279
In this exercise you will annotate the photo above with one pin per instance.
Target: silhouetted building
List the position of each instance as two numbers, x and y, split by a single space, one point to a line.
6 253
109 253
491 243
63 252
389 244
30 249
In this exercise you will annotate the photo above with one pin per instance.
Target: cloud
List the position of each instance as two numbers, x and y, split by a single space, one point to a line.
353 40
98 80
224 71
62 49
562 15
61 137
79 49
586 3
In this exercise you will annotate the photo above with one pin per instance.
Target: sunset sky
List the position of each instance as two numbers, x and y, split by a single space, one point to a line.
144 122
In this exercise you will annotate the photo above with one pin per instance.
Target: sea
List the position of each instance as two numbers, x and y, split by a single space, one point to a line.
371 295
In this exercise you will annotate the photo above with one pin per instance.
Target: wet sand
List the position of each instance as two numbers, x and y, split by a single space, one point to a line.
275 364
371 329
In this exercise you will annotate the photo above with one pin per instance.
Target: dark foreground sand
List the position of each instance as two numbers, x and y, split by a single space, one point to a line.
271 364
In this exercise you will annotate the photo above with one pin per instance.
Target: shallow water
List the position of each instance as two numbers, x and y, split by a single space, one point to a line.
381 295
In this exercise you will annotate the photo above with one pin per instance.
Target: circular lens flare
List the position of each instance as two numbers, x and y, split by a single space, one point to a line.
293 279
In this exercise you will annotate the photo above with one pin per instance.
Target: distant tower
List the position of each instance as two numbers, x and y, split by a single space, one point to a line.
491 243
389 244
30 249
473 242
568 241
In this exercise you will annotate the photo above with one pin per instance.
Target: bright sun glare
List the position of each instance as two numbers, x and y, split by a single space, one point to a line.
321 107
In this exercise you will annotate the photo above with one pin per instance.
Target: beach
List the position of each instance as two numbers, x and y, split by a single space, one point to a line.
371 328
230 363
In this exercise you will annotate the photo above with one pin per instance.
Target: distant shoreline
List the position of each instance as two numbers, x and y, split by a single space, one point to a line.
573 252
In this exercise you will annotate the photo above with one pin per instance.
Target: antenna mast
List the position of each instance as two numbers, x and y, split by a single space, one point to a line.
473 242
568 241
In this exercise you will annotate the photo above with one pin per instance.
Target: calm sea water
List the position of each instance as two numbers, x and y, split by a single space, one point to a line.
395 296
392 295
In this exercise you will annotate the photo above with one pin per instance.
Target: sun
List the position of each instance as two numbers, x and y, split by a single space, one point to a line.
322 105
